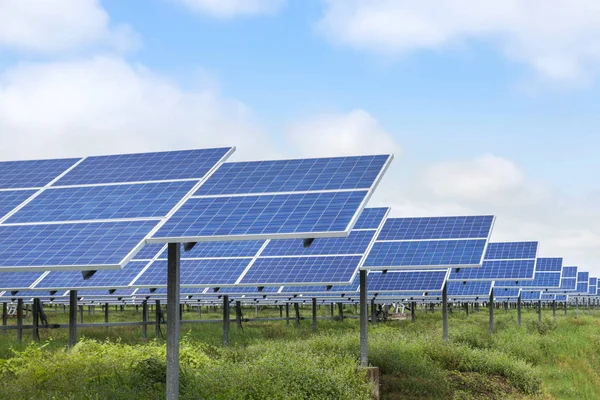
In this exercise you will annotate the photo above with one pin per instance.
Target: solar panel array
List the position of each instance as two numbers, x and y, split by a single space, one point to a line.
548 273
469 289
434 242
582 282
92 213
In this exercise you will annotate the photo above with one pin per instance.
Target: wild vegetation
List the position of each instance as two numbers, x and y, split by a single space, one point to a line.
271 360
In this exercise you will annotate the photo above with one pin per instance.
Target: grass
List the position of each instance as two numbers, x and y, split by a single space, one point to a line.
276 361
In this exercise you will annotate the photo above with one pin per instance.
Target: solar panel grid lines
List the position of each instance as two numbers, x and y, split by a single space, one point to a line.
531 295
437 228
32 173
548 297
546 264
541 281
568 284
418 281
497 270
511 251
10 200
251 263
507 292
469 289
19 280
562 297
570 272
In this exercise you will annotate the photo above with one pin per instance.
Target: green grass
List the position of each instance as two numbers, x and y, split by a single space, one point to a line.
275 361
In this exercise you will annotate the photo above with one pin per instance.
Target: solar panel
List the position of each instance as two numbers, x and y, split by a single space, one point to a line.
469 289
205 272
371 218
356 243
562 297
507 292
18 280
548 297
549 265
277 199
417 281
150 251
101 223
143 167
432 242
544 279
110 279
503 261
592 286
531 296
226 249
91 293
70 246
568 284
104 202
32 173
569 272
582 282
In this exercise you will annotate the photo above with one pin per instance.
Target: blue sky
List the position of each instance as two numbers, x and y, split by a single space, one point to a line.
491 107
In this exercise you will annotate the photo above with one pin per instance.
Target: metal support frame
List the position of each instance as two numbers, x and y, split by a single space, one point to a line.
4 316
238 315
341 311
81 314
576 307
145 319
287 313
157 314
297 315
225 319
554 311
413 305
364 321
331 311
445 312
36 319
565 308
519 320
491 307
72 318
314 314
539 306
173 279
467 308
19 320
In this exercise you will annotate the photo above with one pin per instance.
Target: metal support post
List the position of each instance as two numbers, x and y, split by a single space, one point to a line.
364 321
373 312
554 311
445 312
341 311
297 312
539 311
36 319
238 315
173 291
145 319
576 307
287 313
413 305
314 314
81 314
565 308
491 307
331 311
4 316
225 319
157 313
519 309
19 320
72 318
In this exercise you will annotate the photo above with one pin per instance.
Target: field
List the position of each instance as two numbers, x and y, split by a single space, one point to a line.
270 360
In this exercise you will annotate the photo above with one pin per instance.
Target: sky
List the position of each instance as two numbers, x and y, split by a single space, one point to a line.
489 107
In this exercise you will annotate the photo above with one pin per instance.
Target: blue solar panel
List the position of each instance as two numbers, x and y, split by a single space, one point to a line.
583 277
207 272
247 290
371 218
356 243
561 297
10 199
417 281
548 296
426 253
103 202
295 175
506 292
467 227
593 281
225 249
149 251
531 296
569 272
460 289
104 293
337 289
298 270
496 270
33 173
18 280
29 294
568 283
70 246
214 217
187 164
542 280
582 287
511 250
110 279
549 265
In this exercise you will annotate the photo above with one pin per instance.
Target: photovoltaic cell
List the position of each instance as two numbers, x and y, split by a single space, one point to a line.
425 253
225 249
582 287
317 174
583 277
10 199
186 164
104 293
207 272
32 173
247 290
103 202
507 292
561 297
149 251
203 218
110 279
548 296
542 280
297 270
568 283
511 250
531 296
18 280
417 281
478 289
70 246
371 218
593 281
356 243
467 227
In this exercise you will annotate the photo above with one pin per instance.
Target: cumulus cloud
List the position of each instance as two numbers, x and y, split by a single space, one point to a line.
52 26
233 8
560 39
356 132
106 105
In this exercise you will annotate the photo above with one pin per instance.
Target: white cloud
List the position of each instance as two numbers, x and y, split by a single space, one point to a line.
560 39
234 8
356 132
105 105
52 26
